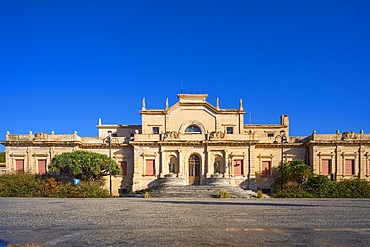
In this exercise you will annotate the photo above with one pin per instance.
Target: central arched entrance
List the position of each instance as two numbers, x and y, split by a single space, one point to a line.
194 170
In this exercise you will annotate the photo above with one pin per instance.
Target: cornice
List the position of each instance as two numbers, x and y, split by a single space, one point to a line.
278 145
339 143
203 104
104 146
42 143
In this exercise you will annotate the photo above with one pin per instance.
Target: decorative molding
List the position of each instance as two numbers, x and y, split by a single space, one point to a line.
145 155
18 155
40 155
41 136
325 154
217 135
349 135
171 135
265 156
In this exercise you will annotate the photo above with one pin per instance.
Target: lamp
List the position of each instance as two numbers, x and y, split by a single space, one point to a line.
108 140
283 139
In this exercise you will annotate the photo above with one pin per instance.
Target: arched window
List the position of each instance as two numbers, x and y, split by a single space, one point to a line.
193 129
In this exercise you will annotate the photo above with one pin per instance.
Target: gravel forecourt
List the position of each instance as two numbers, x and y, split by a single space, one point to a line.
184 222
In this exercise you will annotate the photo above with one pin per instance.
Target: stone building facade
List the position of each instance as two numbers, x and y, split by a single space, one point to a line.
196 143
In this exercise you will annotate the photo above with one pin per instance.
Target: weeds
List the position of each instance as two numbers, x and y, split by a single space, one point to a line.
223 194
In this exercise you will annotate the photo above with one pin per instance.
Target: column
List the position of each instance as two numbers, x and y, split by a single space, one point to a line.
179 163
161 163
208 163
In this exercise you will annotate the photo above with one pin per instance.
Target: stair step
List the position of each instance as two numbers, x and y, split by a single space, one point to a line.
199 191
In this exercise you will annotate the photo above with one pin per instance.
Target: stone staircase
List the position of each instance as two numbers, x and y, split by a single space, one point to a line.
199 191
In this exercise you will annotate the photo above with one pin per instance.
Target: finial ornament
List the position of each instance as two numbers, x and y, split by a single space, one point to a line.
143 104
217 103
241 105
166 103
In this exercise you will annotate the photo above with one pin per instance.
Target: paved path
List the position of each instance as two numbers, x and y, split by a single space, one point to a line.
184 222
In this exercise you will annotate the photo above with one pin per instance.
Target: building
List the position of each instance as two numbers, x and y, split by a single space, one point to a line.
195 143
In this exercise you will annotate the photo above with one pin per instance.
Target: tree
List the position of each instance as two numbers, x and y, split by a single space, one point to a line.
2 156
84 165
296 172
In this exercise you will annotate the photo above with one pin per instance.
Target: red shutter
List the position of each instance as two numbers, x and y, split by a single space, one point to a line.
150 167
42 166
124 168
19 165
326 167
238 167
266 168
349 167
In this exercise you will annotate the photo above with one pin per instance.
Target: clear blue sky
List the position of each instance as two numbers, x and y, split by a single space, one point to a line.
64 64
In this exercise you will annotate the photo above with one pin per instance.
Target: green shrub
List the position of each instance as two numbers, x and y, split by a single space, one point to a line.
293 192
22 184
2 157
223 194
353 188
147 195
260 194
322 187
84 190
319 186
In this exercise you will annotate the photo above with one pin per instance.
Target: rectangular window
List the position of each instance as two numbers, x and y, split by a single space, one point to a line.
266 168
326 167
19 165
124 168
155 130
270 135
229 130
150 167
42 166
349 168
238 167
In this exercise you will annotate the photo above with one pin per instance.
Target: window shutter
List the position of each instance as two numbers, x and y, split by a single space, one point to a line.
349 167
42 166
19 165
238 167
266 168
124 168
150 167
326 167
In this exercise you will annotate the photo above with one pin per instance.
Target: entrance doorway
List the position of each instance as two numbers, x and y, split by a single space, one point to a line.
194 170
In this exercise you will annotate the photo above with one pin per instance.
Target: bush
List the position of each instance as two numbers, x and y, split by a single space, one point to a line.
322 187
223 194
296 172
2 157
319 186
260 194
147 195
291 190
353 188
22 184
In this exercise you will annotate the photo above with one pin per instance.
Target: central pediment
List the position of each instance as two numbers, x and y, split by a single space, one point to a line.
192 98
